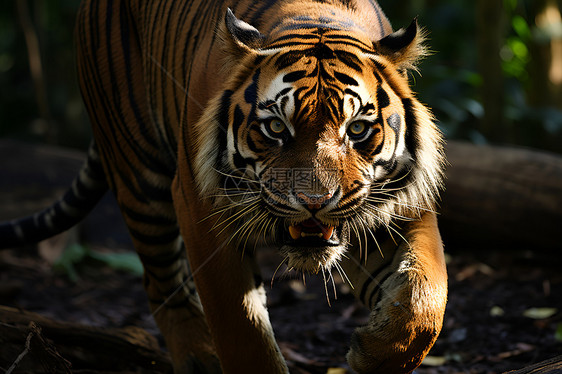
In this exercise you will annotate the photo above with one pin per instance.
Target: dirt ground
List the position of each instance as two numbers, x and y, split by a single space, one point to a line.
504 309
485 329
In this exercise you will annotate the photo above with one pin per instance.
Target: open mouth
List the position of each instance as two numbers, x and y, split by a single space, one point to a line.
313 233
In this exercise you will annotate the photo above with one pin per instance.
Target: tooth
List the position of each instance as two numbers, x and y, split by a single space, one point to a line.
295 232
327 233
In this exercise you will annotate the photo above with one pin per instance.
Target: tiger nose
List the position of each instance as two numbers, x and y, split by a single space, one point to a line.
313 201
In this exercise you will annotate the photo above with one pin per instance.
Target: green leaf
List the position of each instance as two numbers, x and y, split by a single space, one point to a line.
518 48
521 27
72 255
128 261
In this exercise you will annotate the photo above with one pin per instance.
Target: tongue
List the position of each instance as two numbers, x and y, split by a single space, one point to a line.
311 227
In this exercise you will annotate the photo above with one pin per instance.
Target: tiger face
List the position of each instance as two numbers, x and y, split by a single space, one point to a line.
322 142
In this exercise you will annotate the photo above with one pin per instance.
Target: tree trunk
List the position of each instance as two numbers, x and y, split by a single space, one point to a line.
490 33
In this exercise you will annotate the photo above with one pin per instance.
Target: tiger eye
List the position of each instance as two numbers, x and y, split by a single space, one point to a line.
277 126
357 128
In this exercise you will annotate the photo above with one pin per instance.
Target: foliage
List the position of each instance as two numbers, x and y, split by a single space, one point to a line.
450 83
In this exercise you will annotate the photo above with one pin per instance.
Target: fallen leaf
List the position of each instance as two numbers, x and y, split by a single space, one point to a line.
496 311
540 313
291 355
336 371
519 349
471 270
434 360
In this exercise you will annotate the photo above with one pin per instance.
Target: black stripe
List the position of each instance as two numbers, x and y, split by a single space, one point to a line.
162 260
382 98
158 239
150 219
378 290
412 141
284 91
223 120
372 279
345 79
164 277
350 60
294 76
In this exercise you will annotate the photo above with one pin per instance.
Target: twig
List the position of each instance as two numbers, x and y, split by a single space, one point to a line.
22 355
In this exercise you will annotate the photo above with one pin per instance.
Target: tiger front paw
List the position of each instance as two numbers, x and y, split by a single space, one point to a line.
380 351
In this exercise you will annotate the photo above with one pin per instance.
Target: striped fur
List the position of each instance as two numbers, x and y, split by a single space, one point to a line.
223 126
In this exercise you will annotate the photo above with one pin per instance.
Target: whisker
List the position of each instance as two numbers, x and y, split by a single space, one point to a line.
326 287
237 177
409 206
254 226
228 207
343 275
277 269
384 183
260 227
242 231
366 227
235 194
399 234
219 220
333 284
236 217
355 229
389 214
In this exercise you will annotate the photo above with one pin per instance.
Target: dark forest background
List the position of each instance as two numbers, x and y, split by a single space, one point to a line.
495 75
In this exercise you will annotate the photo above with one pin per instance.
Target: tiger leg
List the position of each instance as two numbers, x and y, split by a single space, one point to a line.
232 295
406 290
168 284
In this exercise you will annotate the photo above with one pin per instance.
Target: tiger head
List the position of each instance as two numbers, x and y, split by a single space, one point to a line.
317 137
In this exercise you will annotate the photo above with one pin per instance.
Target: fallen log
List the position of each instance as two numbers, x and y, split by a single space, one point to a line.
32 343
501 197
551 366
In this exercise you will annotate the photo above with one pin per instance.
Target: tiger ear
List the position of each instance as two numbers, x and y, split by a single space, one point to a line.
404 47
243 35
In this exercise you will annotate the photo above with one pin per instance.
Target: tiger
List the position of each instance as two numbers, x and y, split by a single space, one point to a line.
225 126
